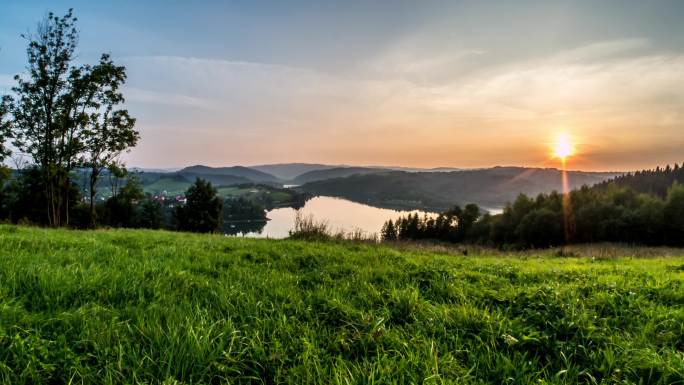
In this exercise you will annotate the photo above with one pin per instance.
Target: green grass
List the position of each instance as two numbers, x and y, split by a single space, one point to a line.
170 185
232 191
150 307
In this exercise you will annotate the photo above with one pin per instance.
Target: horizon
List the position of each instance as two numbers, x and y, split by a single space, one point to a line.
393 166
465 85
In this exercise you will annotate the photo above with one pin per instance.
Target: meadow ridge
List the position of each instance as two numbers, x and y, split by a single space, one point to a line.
143 306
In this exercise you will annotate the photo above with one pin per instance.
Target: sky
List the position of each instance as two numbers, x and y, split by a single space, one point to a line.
410 83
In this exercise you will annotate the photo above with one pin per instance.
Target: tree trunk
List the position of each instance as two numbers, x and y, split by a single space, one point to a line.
93 183
67 185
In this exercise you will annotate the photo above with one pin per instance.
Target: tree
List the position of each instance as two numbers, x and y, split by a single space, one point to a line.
43 112
466 219
149 215
121 208
5 172
5 127
107 131
241 208
63 115
22 194
117 172
203 211
540 228
388 232
674 214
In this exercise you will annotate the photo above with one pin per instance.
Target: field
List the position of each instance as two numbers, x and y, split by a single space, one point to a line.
124 306
169 185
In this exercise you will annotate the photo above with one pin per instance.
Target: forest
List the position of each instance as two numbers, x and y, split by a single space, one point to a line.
645 207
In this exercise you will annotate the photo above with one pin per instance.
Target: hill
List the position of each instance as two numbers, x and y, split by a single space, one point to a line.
134 306
337 172
177 183
418 169
169 184
490 188
289 171
655 181
245 173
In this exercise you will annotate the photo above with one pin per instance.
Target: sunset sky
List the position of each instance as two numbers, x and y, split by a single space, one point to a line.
414 83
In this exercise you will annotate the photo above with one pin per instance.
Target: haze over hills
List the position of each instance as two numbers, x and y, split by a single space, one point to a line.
338 172
411 188
289 171
247 173
491 188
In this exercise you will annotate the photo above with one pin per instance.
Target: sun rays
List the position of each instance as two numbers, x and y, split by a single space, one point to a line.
563 147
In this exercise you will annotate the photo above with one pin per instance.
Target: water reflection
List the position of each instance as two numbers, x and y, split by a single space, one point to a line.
243 227
341 214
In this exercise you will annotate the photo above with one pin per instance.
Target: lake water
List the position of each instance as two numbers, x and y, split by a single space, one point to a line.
341 214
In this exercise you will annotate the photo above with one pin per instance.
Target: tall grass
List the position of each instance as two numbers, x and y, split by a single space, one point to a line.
306 227
136 306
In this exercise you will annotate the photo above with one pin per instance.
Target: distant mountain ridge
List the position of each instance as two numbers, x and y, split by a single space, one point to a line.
290 172
405 187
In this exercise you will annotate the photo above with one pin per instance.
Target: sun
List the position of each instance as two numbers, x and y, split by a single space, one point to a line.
563 147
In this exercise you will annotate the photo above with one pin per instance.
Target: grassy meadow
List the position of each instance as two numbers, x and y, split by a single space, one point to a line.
136 306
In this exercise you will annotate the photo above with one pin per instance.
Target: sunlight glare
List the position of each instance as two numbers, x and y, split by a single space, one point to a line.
563 147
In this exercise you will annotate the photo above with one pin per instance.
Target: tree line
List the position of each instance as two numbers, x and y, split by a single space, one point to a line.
609 212
655 181
22 201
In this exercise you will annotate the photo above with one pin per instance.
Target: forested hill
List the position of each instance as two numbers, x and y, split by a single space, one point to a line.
655 181
289 171
337 172
246 173
490 188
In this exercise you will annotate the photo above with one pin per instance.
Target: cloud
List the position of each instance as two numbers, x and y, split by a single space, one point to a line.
613 91
138 95
633 87
406 62
601 50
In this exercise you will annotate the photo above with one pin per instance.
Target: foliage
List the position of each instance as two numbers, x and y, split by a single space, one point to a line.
116 172
674 214
603 213
5 127
21 197
453 225
388 232
121 209
203 210
240 208
150 214
107 131
140 306
656 181
63 115
306 227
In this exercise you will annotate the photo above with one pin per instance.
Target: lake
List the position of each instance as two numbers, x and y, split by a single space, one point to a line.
341 214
